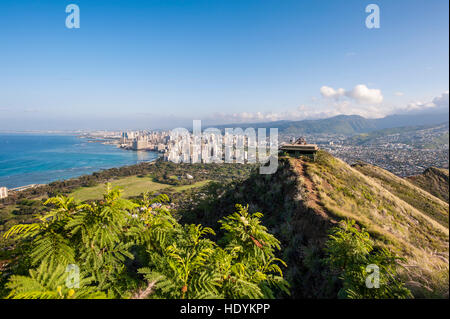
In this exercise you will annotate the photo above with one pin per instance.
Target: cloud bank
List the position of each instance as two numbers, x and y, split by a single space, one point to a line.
441 101
302 112
360 94
360 100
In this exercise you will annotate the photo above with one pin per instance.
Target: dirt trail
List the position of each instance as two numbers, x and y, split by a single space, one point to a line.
312 200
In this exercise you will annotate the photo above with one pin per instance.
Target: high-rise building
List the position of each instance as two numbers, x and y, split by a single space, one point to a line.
3 192
140 143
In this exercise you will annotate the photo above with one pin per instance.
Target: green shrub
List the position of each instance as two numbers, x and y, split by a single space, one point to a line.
137 249
351 256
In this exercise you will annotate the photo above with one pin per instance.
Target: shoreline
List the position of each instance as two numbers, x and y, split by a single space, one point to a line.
17 179
36 185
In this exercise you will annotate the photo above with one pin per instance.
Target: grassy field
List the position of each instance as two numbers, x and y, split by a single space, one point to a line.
132 186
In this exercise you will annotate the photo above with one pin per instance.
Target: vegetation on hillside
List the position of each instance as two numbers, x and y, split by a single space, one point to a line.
366 273
120 248
403 189
304 199
394 224
433 180
173 179
303 202
132 186
160 171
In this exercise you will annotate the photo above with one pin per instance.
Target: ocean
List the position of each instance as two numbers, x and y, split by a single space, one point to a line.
39 159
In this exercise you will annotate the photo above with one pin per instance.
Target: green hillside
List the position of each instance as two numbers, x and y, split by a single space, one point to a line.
434 181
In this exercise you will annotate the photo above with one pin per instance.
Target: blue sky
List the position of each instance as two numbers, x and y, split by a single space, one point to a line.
136 64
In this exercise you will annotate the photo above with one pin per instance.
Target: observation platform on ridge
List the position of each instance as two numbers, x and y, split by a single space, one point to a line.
299 148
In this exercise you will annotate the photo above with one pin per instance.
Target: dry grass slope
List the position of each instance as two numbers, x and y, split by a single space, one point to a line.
433 180
414 233
413 195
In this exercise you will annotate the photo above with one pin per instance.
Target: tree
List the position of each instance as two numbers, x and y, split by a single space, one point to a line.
48 281
137 249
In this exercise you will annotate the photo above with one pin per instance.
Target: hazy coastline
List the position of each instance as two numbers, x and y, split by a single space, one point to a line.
27 159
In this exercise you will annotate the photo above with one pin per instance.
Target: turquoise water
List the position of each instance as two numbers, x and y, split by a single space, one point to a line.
39 159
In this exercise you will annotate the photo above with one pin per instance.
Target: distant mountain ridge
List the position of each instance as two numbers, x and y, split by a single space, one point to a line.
345 124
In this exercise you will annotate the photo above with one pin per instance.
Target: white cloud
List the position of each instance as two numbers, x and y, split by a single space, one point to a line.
416 105
439 101
300 113
368 111
360 94
329 92
399 94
